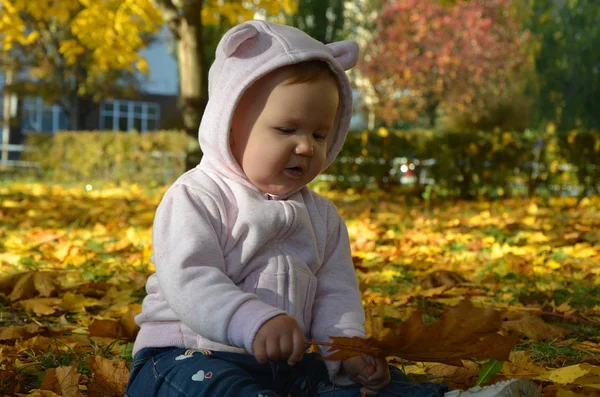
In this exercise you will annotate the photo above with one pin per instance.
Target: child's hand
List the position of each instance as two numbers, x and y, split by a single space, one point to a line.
371 372
280 338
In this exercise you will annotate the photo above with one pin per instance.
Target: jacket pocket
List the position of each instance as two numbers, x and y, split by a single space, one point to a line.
302 290
267 286
293 292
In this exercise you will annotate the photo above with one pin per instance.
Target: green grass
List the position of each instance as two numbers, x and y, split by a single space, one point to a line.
578 296
552 354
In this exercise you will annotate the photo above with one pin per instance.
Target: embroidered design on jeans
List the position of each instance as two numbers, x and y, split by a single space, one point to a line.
201 375
190 352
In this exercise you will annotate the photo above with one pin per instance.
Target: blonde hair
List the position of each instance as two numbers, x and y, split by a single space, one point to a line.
309 71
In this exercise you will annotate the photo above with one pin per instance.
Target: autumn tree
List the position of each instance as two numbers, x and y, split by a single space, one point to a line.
568 62
429 54
186 20
321 19
68 49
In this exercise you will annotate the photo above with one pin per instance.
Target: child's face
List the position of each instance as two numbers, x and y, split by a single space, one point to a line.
280 131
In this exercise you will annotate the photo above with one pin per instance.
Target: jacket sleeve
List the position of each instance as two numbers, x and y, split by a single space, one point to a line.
337 310
190 268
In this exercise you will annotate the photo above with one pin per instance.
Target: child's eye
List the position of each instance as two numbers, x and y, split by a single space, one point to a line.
286 130
320 137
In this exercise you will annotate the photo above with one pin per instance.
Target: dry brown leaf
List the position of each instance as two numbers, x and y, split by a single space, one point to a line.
45 282
569 391
434 292
32 284
68 379
7 283
62 380
441 278
108 380
50 381
129 328
455 377
94 289
39 393
532 326
10 380
20 332
104 328
463 332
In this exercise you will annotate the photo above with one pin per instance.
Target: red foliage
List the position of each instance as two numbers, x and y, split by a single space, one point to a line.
427 54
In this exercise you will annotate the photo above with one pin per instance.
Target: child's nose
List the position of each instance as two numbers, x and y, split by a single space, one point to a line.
305 147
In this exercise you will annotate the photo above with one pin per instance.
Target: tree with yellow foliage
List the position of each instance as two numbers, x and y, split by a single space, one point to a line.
64 50
186 20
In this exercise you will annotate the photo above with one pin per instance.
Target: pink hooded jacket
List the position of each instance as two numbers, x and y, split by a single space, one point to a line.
229 257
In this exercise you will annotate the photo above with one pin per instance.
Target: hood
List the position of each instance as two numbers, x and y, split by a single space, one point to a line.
245 54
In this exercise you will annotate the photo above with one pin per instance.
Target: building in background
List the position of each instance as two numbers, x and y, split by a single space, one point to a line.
154 107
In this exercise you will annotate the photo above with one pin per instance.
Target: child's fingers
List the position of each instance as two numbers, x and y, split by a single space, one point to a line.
286 346
260 352
298 350
377 375
381 371
273 349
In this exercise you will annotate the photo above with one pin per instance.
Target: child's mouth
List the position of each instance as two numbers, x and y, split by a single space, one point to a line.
294 172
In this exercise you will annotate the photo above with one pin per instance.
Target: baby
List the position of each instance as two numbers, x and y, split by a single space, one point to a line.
251 263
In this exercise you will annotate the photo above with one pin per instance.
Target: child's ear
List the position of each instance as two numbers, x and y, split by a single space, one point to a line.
237 36
345 52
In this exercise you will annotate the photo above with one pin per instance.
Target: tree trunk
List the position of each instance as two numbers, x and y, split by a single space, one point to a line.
6 111
193 76
431 114
73 112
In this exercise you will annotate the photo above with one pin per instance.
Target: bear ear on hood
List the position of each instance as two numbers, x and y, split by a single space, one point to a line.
237 36
345 52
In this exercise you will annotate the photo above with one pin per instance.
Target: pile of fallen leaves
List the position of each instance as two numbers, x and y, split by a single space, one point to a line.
463 293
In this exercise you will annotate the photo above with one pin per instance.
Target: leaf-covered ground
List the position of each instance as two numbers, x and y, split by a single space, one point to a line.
73 264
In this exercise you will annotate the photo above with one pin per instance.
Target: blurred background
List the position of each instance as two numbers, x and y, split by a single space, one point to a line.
458 98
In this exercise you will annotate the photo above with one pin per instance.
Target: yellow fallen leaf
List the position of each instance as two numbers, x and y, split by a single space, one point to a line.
77 303
41 306
10 204
62 250
40 342
552 264
564 375
586 252
589 380
519 364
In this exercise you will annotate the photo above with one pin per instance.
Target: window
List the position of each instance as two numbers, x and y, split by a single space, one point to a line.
123 115
39 117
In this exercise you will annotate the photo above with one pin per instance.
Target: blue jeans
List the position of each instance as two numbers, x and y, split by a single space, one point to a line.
170 372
